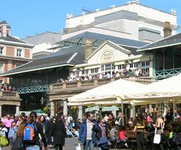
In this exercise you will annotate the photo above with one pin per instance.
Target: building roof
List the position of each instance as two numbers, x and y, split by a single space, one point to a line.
122 14
64 57
166 42
3 22
72 55
46 37
128 3
100 38
10 40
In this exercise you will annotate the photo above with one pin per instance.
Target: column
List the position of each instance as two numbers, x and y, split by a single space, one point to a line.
17 109
52 109
132 111
0 110
65 107
165 110
79 112
114 112
150 108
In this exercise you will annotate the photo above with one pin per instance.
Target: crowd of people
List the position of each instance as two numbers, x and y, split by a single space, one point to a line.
100 131
117 74
7 88
33 132
139 133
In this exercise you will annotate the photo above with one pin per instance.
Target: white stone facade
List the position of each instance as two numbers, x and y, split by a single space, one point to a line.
147 17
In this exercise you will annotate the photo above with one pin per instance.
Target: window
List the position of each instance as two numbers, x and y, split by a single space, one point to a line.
121 67
1 67
133 65
107 67
95 70
19 53
145 63
85 71
1 50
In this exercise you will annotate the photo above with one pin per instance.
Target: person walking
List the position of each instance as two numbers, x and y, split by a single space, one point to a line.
139 129
18 144
33 132
103 135
159 127
59 133
88 131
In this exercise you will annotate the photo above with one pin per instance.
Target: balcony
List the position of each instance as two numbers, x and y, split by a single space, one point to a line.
8 95
96 82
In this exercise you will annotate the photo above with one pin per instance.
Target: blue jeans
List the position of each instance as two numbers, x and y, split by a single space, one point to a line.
89 145
33 147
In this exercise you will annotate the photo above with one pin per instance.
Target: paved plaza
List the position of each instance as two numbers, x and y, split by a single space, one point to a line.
70 144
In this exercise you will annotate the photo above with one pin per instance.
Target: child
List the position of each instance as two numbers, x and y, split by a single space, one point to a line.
12 134
122 136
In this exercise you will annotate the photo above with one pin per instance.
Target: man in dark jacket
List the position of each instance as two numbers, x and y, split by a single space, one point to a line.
88 132
59 133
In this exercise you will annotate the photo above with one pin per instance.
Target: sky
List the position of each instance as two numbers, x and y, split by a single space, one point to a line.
31 17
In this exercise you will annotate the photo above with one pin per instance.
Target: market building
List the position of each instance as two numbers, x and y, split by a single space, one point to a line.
91 54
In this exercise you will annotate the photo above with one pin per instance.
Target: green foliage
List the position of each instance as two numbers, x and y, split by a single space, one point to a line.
46 109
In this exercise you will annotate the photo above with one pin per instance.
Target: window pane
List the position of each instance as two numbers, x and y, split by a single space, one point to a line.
1 50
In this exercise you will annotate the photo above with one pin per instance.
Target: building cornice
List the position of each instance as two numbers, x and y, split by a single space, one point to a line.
16 43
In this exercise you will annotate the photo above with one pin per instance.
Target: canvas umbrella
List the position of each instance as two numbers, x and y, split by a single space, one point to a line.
119 88
163 89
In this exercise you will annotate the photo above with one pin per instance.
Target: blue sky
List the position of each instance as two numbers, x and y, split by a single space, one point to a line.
29 17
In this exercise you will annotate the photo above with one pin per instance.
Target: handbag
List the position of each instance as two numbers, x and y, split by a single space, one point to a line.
78 147
157 137
3 141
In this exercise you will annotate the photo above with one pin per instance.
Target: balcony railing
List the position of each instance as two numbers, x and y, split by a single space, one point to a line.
97 82
8 94
167 72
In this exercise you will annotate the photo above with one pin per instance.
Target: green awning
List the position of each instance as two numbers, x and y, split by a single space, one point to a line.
113 108
95 108
28 112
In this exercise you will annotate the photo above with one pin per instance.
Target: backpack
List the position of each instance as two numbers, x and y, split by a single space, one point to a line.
30 134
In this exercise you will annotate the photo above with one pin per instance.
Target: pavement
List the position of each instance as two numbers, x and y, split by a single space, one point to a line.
70 144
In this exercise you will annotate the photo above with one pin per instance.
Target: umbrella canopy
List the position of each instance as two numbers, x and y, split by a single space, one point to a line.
108 92
164 89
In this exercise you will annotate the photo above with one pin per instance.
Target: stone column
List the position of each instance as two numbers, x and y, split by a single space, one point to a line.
52 109
150 108
17 109
0 110
132 111
65 107
79 112
114 113
165 110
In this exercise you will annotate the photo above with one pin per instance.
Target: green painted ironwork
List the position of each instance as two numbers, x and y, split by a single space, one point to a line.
167 72
33 89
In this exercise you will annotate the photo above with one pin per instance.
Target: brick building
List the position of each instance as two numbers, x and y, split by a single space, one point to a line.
13 51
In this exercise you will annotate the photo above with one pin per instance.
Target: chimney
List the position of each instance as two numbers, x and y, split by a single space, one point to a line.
4 29
88 48
167 30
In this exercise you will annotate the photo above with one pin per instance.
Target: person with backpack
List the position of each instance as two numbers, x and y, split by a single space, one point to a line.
33 133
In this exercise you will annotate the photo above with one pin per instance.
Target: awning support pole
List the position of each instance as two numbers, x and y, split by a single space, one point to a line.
122 109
